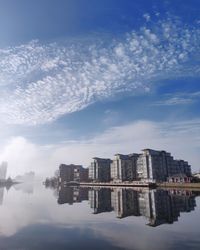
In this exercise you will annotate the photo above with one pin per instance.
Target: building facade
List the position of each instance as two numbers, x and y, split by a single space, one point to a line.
72 172
153 165
149 166
124 167
99 170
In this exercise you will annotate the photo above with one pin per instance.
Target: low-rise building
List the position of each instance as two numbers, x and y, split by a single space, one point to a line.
196 177
179 178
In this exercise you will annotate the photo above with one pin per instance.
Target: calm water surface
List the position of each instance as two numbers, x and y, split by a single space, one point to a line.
35 217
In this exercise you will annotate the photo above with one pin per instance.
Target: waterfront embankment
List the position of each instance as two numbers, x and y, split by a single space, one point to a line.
193 186
121 184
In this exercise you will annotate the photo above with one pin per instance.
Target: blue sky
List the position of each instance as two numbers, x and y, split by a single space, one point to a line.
76 74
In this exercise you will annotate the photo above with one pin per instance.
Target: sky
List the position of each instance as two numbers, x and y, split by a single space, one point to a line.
81 78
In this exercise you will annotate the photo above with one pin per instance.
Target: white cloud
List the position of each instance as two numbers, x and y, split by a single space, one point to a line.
40 82
175 101
178 99
147 17
182 139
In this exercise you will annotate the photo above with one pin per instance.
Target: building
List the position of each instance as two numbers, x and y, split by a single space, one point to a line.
196 177
99 170
3 170
179 178
184 168
124 167
153 165
179 167
72 172
149 166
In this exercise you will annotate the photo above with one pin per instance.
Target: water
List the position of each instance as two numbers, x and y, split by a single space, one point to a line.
72 218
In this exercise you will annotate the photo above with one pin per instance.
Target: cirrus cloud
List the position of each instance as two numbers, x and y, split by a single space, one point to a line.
41 82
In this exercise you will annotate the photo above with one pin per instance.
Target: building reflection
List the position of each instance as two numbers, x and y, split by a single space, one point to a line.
125 202
157 206
100 200
71 195
1 195
25 188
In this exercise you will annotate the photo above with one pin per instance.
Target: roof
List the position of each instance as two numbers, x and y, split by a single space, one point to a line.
128 156
101 159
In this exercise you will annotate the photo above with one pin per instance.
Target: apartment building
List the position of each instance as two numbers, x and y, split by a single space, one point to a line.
99 170
124 167
72 172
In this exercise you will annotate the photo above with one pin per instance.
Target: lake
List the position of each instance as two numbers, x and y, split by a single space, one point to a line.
36 217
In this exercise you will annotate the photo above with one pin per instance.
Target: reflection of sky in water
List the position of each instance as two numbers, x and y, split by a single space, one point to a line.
35 221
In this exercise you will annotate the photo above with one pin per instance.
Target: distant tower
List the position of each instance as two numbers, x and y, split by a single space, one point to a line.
3 170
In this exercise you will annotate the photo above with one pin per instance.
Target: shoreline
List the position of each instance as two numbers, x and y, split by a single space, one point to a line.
179 185
148 185
108 184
